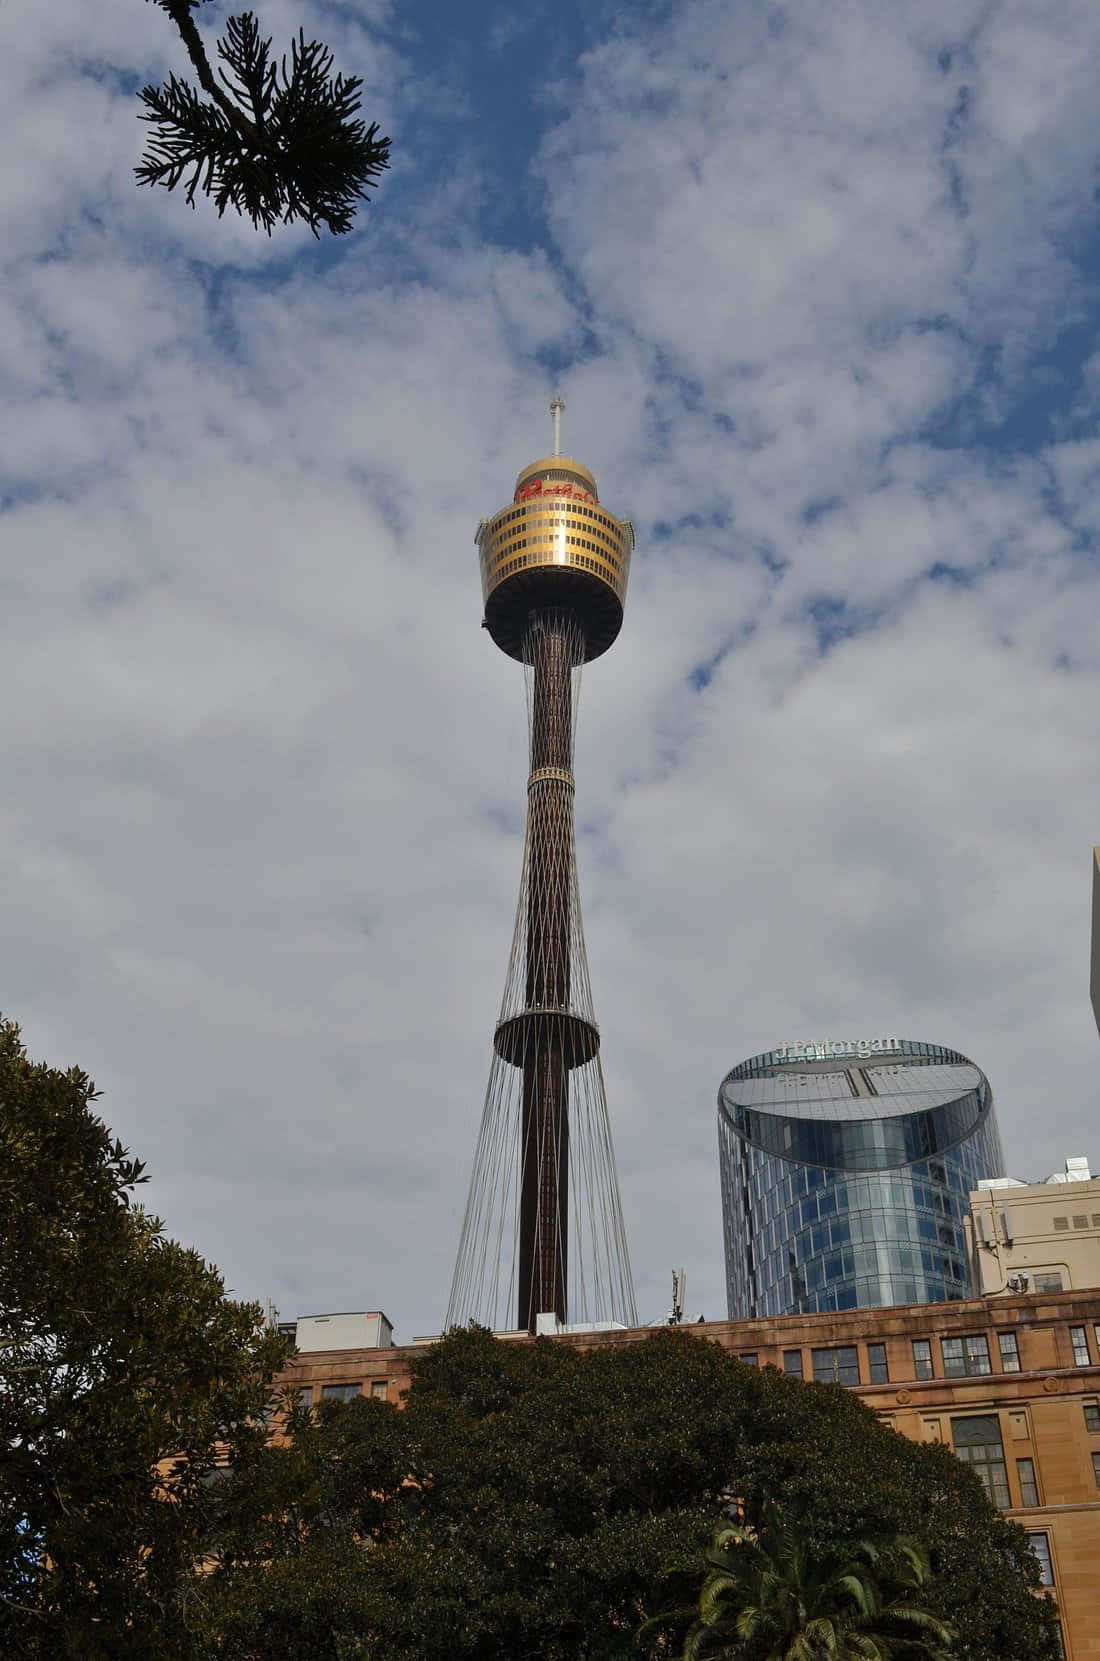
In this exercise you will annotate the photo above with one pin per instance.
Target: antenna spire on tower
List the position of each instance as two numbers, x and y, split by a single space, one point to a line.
557 404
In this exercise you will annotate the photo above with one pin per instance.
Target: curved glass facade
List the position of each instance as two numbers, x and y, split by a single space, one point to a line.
845 1171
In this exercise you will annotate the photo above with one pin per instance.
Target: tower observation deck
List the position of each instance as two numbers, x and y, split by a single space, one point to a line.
543 1231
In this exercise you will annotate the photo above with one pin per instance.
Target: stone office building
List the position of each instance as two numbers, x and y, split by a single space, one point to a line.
1011 1383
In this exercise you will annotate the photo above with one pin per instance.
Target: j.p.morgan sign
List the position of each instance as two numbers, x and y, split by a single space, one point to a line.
824 1049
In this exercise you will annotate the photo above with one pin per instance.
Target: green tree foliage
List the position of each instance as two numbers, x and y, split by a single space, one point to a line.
766 1596
124 1371
276 140
546 1500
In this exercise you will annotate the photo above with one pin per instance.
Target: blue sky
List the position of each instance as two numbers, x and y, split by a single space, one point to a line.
819 285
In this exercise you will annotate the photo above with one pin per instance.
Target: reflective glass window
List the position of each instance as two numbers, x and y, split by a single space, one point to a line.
965 1357
1092 1416
922 1357
1010 1352
340 1392
1040 1550
792 1363
1029 1491
978 1443
876 1362
1078 1337
836 1366
1096 1469
750 1358
379 1389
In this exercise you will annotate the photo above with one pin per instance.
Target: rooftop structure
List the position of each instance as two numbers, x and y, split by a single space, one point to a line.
359 1329
1036 1236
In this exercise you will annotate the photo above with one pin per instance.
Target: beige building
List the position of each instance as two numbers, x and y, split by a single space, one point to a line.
1011 1382
1037 1236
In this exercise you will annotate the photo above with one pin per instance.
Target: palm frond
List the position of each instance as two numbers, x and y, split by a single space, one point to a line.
766 1591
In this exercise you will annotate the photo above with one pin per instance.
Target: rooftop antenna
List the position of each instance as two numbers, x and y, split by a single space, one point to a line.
557 404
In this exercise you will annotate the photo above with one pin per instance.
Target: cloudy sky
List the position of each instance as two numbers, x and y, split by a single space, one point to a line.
820 284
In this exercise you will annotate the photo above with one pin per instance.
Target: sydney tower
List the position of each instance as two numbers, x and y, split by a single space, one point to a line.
543 1233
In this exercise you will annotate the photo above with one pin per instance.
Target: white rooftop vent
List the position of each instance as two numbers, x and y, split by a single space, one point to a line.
359 1330
1077 1170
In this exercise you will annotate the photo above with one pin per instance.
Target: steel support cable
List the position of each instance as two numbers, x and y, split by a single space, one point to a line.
545 1131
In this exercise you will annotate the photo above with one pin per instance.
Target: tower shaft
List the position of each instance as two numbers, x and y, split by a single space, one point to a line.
552 650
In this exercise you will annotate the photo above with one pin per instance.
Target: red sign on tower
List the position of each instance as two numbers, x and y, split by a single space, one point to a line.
541 487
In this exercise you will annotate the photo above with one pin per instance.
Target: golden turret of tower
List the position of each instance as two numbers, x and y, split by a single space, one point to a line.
555 545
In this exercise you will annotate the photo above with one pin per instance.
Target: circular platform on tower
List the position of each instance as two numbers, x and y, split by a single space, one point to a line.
519 1038
555 546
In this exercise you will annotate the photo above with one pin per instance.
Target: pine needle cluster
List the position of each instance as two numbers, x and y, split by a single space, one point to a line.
276 139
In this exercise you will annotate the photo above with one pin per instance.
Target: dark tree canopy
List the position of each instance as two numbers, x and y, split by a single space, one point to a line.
276 139
543 1500
530 1500
125 1373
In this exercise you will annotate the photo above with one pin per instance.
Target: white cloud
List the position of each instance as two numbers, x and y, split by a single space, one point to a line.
262 767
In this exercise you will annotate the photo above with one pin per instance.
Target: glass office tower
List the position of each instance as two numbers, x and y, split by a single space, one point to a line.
845 1170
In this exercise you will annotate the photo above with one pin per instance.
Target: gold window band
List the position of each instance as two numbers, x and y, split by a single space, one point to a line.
541 774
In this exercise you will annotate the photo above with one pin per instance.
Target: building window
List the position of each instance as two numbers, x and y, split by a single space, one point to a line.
379 1389
1092 1416
1029 1492
922 1357
876 1361
1078 1337
792 1363
341 1392
1048 1280
1040 1550
839 1366
965 1357
978 1443
1096 1469
750 1358
1010 1352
